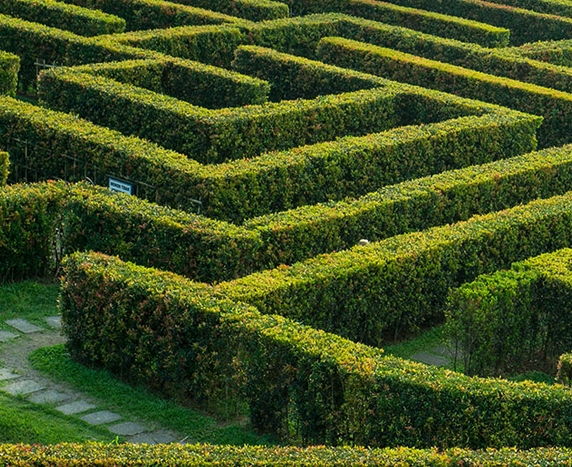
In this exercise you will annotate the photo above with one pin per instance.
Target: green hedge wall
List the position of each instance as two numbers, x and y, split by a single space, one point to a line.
304 385
353 166
9 67
551 7
208 250
394 286
294 77
525 25
253 10
413 205
555 52
289 73
96 152
196 83
28 222
553 105
503 322
82 21
215 136
151 14
207 44
4 167
498 61
127 455
244 188
33 41
301 35
430 22
149 234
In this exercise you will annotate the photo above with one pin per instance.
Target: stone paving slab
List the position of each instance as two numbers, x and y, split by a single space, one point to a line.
5 336
75 407
127 429
6 374
55 322
430 359
48 397
142 438
103 416
23 325
155 437
27 386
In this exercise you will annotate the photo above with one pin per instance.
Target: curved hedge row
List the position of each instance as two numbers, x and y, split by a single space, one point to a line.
301 384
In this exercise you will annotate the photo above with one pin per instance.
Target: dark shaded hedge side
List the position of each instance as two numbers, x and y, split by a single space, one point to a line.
9 67
193 82
454 27
504 322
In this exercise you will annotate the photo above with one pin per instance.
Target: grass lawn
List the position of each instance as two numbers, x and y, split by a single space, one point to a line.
21 421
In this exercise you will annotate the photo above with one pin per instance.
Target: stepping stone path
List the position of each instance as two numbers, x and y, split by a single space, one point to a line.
5 336
439 356
23 325
25 382
430 359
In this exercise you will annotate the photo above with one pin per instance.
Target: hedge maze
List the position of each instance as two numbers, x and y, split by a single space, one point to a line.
261 143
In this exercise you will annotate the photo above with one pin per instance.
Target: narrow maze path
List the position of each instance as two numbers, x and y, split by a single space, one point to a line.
18 378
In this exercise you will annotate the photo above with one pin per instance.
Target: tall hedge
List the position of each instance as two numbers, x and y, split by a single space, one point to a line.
152 235
28 223
524 25
207 44
253 10
418 204
154 14
34 42
9 67
244 188
193 82
303 385
551 104
439 24
515 319
82 21
390 288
